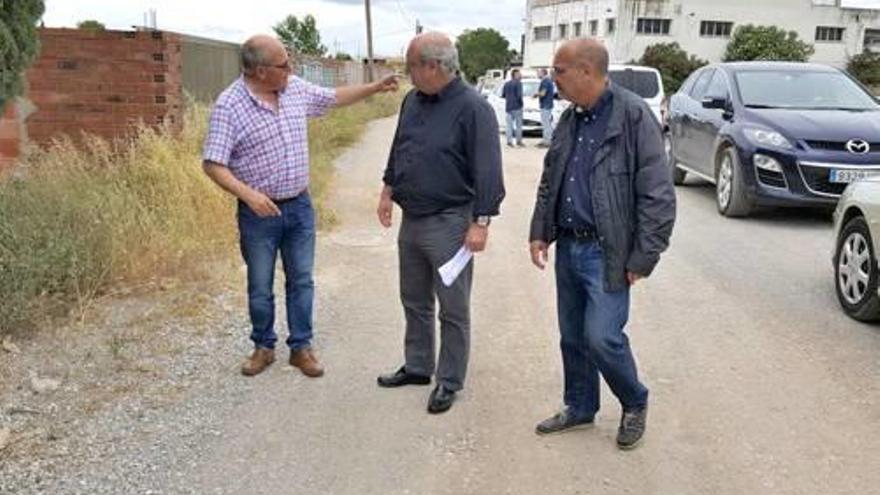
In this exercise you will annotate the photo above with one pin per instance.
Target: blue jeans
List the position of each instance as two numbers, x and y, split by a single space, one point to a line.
293 234
591 323
546 125
514 119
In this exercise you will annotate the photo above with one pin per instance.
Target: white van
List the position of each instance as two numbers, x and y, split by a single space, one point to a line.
643 81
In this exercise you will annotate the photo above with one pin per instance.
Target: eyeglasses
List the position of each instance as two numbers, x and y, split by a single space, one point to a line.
284 66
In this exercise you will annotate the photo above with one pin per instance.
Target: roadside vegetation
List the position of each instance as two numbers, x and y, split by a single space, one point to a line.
78 219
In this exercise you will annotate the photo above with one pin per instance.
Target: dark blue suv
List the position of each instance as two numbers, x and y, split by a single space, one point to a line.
773 133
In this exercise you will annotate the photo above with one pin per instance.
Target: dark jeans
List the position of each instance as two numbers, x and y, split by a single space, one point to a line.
293 234
425 244
591 323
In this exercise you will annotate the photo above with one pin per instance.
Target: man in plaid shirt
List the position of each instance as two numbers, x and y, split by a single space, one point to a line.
257 149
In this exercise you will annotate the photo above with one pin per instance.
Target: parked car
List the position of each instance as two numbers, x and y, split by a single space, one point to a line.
531 107
856 221
773 133
643 81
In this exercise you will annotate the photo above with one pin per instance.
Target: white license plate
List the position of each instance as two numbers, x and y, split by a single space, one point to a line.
847 176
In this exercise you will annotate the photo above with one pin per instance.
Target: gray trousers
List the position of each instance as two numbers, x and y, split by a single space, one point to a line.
424 244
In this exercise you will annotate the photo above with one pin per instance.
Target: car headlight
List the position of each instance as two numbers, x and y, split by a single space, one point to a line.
767 163
763 137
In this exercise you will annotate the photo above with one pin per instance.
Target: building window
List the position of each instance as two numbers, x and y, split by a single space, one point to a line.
717 29
646 25
826 33
594 28
542 33
576 28
610 25
563 31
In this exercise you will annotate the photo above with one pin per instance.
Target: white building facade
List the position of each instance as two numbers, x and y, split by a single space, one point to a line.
837 29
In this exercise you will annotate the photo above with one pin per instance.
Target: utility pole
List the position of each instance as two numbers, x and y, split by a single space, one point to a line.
369 43
418 27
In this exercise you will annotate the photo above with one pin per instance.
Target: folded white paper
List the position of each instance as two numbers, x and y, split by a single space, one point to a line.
452 268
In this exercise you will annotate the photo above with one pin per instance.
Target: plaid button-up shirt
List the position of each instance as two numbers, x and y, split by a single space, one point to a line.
265 149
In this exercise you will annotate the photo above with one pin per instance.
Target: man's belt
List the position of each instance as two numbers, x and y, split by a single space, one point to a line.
581 234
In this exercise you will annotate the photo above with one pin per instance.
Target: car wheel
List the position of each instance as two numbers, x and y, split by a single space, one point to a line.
730 192
678 174
855 271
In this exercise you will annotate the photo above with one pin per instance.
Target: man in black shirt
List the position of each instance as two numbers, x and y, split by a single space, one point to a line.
444 171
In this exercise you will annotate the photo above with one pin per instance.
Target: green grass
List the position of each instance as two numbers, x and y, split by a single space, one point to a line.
88 217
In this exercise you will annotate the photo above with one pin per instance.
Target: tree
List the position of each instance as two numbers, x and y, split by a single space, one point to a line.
673 63
18 43
480 50
90 25
751 42
343 56
301 36
866 68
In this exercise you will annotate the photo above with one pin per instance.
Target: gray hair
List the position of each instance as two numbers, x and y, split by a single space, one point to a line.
445 55
252 56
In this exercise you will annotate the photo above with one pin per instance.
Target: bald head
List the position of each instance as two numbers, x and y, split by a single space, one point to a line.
581 71
259 50
587 52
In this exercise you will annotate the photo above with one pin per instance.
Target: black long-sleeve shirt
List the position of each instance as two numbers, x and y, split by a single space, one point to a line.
446 153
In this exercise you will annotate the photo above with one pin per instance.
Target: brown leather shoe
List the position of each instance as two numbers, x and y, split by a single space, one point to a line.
305 360
258 361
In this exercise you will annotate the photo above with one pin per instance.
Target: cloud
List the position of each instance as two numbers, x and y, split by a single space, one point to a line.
341 22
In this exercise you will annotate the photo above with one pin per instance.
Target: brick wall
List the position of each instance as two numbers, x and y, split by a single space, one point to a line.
103 82
9 137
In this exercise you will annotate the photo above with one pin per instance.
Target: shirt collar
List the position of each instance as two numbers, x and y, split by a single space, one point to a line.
253 97
597 108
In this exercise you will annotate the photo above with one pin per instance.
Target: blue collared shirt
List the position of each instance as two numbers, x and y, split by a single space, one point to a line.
549 90
513 95
576 207
446 153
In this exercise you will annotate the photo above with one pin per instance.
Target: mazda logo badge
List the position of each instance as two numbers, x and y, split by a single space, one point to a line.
858 146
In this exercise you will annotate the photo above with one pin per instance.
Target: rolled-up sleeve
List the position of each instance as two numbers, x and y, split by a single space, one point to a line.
220 139
484 155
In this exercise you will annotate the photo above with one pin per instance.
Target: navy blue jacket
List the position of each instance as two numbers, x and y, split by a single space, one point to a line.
631 188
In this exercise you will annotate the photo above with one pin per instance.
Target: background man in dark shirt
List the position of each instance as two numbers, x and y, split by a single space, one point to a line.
444 171
606 195
546 93
513 105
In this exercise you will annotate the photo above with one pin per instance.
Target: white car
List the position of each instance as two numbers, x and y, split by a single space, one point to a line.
643 81
857 231
531 106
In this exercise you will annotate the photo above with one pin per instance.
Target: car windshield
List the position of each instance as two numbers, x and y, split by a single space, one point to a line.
803 90
640 82
530 88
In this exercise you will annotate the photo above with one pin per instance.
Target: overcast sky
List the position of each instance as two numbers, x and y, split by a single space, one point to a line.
341 22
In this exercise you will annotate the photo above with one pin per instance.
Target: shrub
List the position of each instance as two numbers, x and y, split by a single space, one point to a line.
674 64
751 42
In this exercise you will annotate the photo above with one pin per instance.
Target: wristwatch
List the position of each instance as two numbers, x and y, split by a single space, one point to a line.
483 220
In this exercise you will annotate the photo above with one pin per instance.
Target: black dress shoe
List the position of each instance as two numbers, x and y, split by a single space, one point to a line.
441 400
401 377
632 427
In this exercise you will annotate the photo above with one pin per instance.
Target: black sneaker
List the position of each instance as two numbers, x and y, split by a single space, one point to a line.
632 427
562 421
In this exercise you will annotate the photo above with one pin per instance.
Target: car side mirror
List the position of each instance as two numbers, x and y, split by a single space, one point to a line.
715 102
